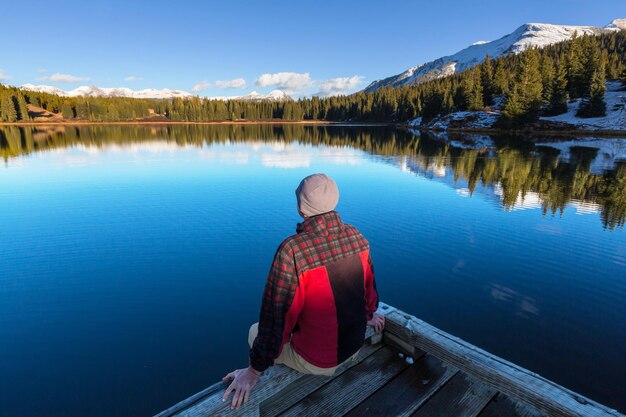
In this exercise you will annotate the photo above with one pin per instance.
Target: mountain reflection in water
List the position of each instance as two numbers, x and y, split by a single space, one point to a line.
518 172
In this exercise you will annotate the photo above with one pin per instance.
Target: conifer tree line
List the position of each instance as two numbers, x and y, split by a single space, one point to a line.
533 83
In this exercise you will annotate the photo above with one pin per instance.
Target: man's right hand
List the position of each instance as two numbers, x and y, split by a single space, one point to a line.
243 382
377 322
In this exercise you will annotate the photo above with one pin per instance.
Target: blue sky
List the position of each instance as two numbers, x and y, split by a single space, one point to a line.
224 48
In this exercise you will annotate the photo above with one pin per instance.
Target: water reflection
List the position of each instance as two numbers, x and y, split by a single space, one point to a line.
522 305
519 173
153 224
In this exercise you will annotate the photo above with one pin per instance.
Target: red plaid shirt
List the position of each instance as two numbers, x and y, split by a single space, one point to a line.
319 294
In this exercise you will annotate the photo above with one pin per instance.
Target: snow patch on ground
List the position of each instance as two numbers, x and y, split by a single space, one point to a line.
615 118
465 120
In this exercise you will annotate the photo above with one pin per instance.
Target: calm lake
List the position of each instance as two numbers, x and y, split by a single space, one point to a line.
132 258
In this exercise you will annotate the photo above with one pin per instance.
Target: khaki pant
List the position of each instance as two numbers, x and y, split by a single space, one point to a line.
290 358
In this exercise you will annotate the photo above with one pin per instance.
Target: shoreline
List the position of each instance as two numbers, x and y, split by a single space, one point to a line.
174 122
529 132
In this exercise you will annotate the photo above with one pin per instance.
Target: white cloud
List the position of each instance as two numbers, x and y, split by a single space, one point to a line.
222 155
202 85
288 159
236 83
133 78
3 76
42 70
285 80
63 78
339 85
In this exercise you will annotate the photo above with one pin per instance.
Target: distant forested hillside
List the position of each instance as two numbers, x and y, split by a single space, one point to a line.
533 83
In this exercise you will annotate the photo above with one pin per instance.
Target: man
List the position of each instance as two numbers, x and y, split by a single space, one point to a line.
319 295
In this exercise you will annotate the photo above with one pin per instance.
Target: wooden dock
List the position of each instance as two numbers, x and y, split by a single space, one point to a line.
445 376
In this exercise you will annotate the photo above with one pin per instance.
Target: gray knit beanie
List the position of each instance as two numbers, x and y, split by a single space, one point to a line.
317 194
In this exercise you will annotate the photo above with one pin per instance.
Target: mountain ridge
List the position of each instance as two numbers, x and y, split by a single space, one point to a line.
149 93
525 36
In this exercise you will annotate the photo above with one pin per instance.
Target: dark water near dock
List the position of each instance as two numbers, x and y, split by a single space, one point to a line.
132 258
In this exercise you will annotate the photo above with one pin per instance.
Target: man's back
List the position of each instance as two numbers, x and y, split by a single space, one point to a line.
335 292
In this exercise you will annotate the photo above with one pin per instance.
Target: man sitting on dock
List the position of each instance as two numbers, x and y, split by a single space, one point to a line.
319 295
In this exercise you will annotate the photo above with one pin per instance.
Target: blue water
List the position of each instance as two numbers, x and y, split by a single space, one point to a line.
130 271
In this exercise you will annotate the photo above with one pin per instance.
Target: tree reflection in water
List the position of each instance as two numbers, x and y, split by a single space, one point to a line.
515 167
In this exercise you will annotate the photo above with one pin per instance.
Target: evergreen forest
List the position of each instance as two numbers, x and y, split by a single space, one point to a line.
525 86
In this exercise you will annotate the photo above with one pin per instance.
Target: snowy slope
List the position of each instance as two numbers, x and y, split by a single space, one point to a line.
151 93
528 35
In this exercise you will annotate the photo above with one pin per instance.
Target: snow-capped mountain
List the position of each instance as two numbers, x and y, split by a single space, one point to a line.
152 93
93 91
528 35
274 95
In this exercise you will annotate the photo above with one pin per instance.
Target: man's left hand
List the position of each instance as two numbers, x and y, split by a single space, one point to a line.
377 322
243 382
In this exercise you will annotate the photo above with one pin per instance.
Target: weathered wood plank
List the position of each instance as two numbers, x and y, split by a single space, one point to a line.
346 391
187 402
460 397
408 391
275 379
403 346
272 381
503 406
512 380
304 386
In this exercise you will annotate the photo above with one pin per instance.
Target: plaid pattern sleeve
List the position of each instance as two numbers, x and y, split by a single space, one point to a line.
278 295
371 293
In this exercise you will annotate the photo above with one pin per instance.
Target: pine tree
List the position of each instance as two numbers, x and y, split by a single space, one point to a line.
591 62
22 108
500 79
574 67
558 92
472 90
514 109
112 113
594 105
448 103
486 81
66 110
82 109
234 112
523 104
50 106
547 77
7 109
